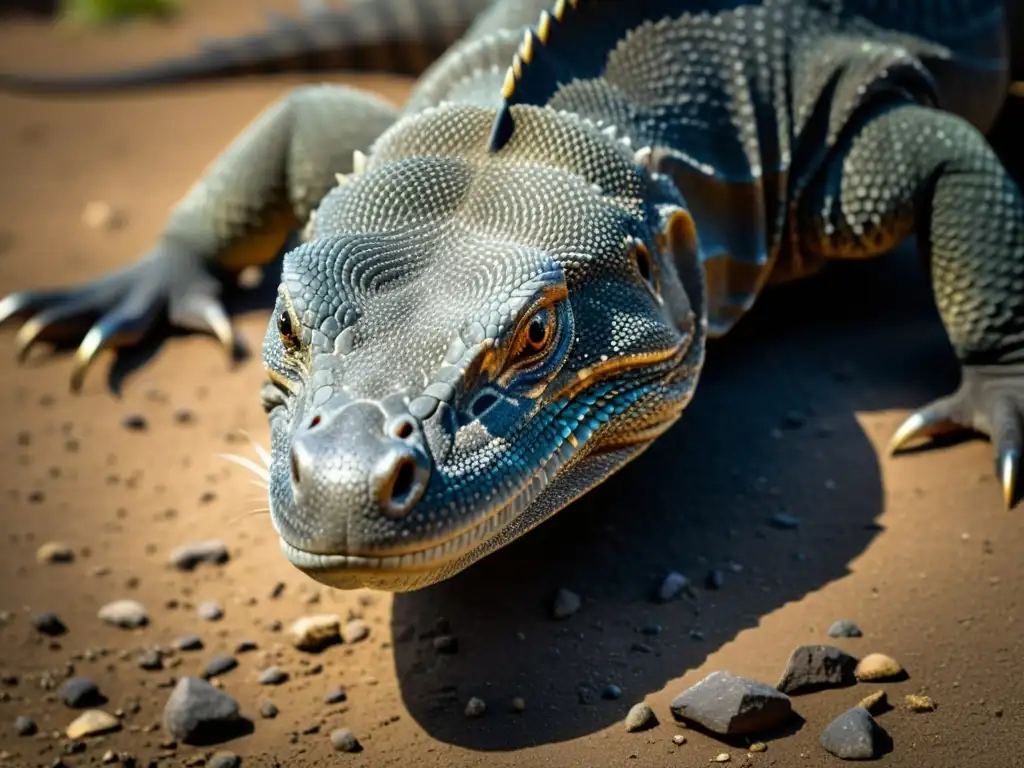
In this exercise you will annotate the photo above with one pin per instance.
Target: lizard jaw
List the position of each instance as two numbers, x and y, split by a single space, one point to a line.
414 569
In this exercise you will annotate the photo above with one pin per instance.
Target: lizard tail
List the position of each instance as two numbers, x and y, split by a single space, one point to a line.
398 36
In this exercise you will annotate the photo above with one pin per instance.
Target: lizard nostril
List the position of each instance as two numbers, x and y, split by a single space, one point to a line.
294 463
405 475
314 421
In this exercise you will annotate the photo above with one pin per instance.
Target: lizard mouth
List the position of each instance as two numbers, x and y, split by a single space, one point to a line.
412 568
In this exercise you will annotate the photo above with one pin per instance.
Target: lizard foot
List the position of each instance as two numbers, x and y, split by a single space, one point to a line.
119 308
990 400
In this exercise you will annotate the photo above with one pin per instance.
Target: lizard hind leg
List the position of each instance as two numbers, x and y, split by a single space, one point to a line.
910 168
240 213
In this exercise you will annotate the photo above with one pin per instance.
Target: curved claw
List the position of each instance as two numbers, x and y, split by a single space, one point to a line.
204 312
1009 467
927 422
85 354
26 338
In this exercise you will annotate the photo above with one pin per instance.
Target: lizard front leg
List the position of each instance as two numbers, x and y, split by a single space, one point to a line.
910 169
238 214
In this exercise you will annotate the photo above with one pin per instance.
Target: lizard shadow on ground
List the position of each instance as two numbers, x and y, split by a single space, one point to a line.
771 429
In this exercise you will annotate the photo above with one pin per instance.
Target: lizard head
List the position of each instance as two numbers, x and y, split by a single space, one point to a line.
467 341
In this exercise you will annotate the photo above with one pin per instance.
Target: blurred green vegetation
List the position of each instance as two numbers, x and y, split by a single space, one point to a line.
94 12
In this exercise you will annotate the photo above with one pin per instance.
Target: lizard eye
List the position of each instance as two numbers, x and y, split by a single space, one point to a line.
645 266
535 336
285 327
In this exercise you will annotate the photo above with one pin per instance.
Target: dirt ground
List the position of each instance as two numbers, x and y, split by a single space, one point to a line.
918 550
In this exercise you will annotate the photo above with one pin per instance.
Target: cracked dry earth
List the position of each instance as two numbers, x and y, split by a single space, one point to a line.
772 497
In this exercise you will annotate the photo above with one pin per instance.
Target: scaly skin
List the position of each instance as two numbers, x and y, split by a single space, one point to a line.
505 299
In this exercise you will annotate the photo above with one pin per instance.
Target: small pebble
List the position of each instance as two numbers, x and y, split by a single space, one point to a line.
640 717
475 707
100 215
127 614
672 586
268 710
189 643
53 552
518 704
722 757
355 631
874 702
611 692
784 522
151 660
92 722
844 628
758 746
313 633
336 696
219 665
188 556
445 644
919 703
273 676
135 422
25 726
224 760
565 604
877 666
714 579
210 610
343 740
47 623
80 692
678 739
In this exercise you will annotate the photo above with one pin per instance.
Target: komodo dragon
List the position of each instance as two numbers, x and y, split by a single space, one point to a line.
504 290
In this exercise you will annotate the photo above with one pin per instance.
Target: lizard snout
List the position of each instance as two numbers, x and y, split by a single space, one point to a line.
352 474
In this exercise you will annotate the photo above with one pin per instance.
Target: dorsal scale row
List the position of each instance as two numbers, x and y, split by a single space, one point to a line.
572 41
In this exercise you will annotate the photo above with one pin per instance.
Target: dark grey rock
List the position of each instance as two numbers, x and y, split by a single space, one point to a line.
151 660
714 579
47 623
198 713
189 643
854 735
273 676
219 665
336 696
224 760
445 644
813 667
343 740
565 604
783 521
672 586
727 704
246 646
611 692
25 726
268 710
135 422
844 628
187 557
81 692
